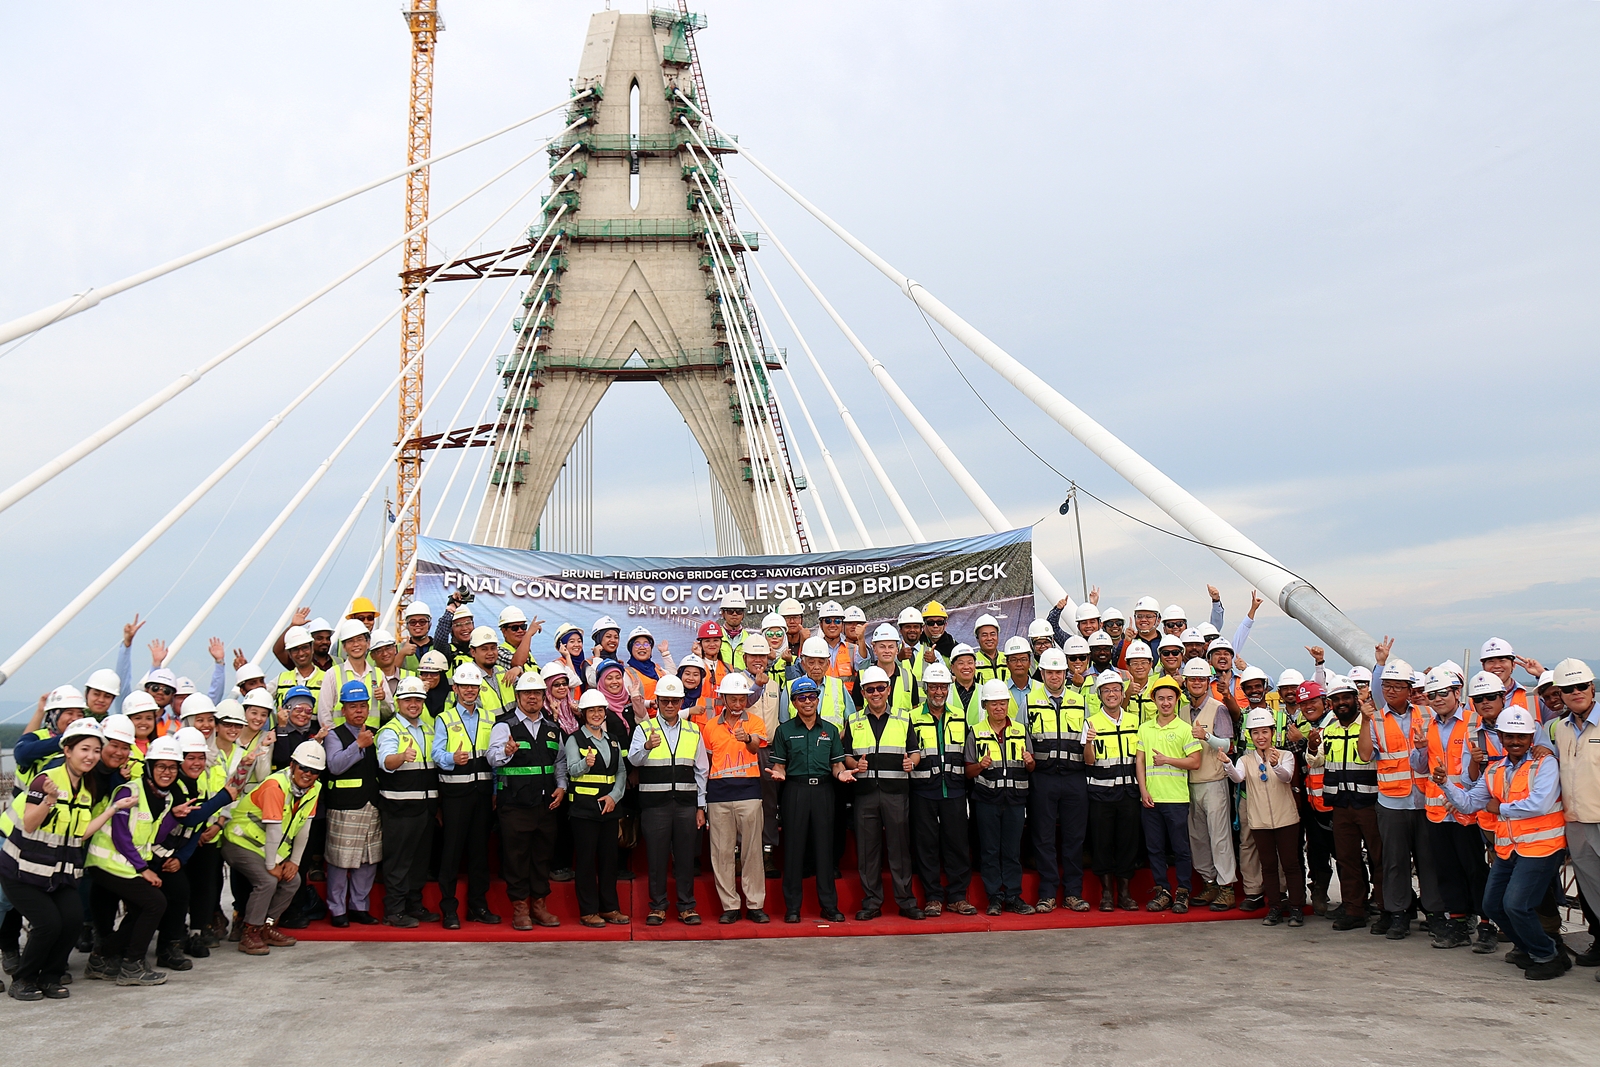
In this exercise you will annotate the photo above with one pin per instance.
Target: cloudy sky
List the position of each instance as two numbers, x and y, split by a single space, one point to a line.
1332 266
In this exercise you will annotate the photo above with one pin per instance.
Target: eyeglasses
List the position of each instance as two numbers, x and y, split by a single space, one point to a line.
557 683
1579 688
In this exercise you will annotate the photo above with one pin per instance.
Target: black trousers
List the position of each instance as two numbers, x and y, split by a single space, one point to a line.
178 888
883 829
406 841
594 853
56 915
1115 825
1318 827
205 885
670 836
143 906
808 819
771 793
1059 810
465 832
1459 865
939 838
527 838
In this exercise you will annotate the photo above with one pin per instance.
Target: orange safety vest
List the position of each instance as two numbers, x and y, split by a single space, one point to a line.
1454 761
1395 777
731 758
1528 699
842 665
1493 749
647 683
1536 835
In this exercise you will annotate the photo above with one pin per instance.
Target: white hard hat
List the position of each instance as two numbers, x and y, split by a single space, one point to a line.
1191 636
256 698
773 621
1418 680
1051 659
191 740
1169 641
467 674
1571 672
1259 717
65 696
1195 668
433 660
529 681
734 682
164 748
1515 720
1017 646
411 687
937 673
693 660
1075 645
1454 668
459 612
1484 684
1112 615
319 625
885 632
1547 678
185 687
1101 639
1221 644
1291 677
349 628
791 606
160 676
1396 671
197 704
854 614
874 675
135 703
1147 603
249 673
1359 673
417 609
555 667
83 727
1338 683
669 686
1208 631
816 648
1254 674
1086 612
601 625
1138 650
482 635
310 755
1041 628
756 645
382 639
592 698
1173 613
733 600
1109 676
295 636
230 711
995 689
1439 679
1496 647
116 728
831 610
512 614
105 679
985 620
909 617
962 649
638 632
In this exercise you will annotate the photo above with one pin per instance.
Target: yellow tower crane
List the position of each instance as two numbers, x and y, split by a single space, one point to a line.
422 16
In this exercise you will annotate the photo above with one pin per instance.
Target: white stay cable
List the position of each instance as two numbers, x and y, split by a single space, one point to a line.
110 430
83 301
805 468
517 399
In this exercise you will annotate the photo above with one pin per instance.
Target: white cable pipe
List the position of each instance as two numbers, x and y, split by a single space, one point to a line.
805 469
518 399
112 429
83 301
1297 597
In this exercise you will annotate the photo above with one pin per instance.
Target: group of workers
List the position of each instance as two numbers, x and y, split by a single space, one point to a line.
1093 741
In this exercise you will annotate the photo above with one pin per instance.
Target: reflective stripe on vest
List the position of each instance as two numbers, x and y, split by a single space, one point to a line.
885 755
1115 749
25 774
142 824
949 762
669 768
50 856
1008 776
1535 835
835 703
475 745
1057 735
291 678
414 780
1454 761
1344 774
1395 777
247 829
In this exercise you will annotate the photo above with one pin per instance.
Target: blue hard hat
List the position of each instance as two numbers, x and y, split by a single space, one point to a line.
803 687
298 691
354 691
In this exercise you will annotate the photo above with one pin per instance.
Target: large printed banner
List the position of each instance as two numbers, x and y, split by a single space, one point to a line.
672 597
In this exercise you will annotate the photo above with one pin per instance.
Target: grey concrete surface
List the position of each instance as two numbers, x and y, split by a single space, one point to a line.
1226 993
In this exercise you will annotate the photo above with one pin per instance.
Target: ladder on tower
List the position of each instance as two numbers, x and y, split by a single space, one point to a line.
690 25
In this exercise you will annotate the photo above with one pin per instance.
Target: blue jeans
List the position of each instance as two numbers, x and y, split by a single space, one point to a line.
1515 887
1167 826
1000 849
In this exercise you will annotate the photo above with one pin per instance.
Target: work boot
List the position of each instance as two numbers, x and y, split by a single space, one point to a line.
1224 898
541 914
1382 924
1180 902
1485 943
1274 916
1208 894
563 874
25 989
250 942
1161 901
520 920
275 937
1347 921
1517 958
1319 900
236 930
100 967
1253 903
196 945
1543 972
1108 894
170 955
1399 926
933 909
963 907
1075 904
10 960
55 988
86 938
1589 958
1125 899
134 972
769 863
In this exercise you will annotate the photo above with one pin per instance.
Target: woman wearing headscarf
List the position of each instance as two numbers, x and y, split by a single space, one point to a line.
598 778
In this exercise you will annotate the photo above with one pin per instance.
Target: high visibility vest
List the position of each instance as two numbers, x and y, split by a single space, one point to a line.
842 665
731 653
731 760
970 709
415 782
1395 778
667 773
1489 741
1344 781
474 775
1007 776
1523 697
905 692
991 667
24 775
51 856
341 673
589 787
143 822
291 678
1454 760
1116 750
357 786
529 778
646 684
246 829
884 755
491 697
945 764
834 704
1535 835
1141 704
1057 735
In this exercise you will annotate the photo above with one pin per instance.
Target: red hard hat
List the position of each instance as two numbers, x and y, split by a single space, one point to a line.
710 629
1309 691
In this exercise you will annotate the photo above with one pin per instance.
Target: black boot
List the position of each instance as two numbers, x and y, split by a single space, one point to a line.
170 955
134 972
196 945
86 938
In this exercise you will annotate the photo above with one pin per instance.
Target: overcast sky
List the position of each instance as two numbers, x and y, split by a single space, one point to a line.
1332 266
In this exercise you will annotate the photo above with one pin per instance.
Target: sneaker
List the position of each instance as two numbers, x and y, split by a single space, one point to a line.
1485 943
654 918
1296 917
25 989
134 972
1255 903
1180 902
1045 905
100 967
1591 958
963 907
994 908
404 922
933 909
1399 927
170 955
1518 958
1017 906
1224 898
1075 903
1161 901
1274 916
563 874
1543 972
196 946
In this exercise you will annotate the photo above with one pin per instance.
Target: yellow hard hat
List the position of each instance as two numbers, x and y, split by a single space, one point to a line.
361 606
935 610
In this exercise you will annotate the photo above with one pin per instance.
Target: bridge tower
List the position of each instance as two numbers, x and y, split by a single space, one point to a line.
629 292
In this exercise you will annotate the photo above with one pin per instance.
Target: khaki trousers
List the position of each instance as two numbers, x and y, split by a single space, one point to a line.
731 821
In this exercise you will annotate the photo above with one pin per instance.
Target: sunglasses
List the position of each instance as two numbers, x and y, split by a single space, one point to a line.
933 622
876 687
163 690
557 683
1263 769
515 626
806 696
1485 700
1579 688
1080 659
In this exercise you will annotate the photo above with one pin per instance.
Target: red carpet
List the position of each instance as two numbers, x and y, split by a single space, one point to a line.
635 898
